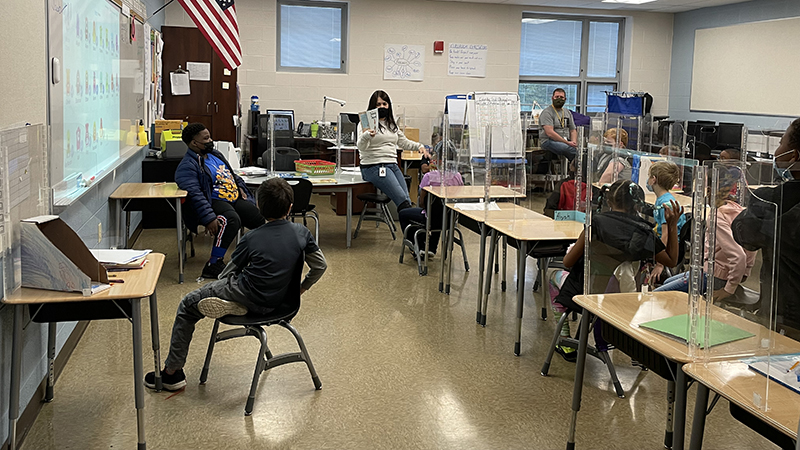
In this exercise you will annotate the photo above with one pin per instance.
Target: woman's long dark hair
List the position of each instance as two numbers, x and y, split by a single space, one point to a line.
373 103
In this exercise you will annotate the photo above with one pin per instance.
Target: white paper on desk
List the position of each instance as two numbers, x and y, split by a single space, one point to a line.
479 206
199 71
122 256
179 83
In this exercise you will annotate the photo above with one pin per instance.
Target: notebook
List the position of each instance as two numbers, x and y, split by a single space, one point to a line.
678 327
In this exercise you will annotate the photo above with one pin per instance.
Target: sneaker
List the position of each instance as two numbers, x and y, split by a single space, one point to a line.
170 382
568 353
215 307
213 270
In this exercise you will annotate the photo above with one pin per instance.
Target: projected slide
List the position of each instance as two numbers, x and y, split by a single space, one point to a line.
91 86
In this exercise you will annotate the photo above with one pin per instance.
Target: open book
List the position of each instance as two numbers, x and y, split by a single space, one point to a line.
369 119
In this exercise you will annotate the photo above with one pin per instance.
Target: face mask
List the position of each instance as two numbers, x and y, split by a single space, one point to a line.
383 113
649 188
559 102
207 147
784 173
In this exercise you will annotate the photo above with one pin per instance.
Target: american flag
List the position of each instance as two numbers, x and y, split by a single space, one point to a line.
216 19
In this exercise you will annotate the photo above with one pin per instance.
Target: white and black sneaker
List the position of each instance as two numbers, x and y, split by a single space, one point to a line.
215 307
169 382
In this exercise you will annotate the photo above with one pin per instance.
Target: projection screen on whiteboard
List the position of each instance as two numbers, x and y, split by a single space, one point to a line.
749 68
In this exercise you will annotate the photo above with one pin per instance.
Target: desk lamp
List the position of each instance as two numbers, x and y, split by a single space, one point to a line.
325 103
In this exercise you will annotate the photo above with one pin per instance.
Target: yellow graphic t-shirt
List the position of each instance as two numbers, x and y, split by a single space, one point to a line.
224 184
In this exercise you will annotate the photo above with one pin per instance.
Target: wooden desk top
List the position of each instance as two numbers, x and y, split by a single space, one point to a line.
538 229
148 190
508 211
626 311
138 284
411 155
472 192
737 383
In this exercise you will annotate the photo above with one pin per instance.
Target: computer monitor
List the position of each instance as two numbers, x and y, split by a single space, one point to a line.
283 112
729 135
283 133
704 132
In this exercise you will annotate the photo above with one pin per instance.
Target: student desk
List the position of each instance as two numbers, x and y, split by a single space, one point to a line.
624 312
457 193
507 211
112 303
528 233
732 379
344 182
409 157
127 193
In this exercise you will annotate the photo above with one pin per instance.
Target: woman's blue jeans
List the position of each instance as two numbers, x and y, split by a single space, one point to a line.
393 184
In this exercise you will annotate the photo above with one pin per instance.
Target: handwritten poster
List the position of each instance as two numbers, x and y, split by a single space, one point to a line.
404 62
467 60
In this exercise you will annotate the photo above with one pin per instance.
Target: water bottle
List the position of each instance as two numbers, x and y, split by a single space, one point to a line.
254 103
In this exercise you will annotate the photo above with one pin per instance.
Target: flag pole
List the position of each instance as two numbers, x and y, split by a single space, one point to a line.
159 10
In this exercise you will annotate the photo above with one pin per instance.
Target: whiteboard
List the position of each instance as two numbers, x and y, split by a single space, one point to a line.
96 89
749 68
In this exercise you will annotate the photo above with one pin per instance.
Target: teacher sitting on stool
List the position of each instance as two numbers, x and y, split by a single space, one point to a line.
378 152
560 135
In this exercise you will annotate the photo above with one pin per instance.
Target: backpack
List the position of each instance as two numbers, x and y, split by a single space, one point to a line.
566 201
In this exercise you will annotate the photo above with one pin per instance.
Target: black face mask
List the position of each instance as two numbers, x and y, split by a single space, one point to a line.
559 102
383 113
207 147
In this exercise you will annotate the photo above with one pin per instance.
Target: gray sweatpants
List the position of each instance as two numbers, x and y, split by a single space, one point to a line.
188 315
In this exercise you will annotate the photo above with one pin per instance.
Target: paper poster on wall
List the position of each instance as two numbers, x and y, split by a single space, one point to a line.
403 62
467 60
199 71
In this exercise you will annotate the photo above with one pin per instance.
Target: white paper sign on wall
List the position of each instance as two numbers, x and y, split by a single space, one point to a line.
403 62
467 60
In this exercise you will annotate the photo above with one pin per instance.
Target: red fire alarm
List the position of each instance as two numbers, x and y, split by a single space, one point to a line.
438 47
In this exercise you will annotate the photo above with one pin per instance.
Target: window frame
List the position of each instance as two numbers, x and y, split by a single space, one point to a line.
583 80
344 8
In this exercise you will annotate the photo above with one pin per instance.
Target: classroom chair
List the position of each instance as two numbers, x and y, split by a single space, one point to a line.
410 242
284 159
253 325
602 355
380 213
302 207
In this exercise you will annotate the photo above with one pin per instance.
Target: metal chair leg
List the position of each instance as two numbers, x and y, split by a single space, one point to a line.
553 343
304 352
360 219
262 362
606 358
211 343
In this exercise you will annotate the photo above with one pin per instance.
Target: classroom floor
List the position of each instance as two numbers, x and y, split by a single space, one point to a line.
403 367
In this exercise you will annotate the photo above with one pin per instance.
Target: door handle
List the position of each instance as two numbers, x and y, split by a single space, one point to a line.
216 107
208 105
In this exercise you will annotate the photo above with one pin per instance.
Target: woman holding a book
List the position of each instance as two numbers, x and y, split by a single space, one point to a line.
377 148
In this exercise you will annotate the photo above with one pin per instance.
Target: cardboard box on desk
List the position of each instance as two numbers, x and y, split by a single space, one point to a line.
55 258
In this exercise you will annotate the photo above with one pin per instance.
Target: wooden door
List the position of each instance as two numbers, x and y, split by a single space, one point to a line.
212 103
225 104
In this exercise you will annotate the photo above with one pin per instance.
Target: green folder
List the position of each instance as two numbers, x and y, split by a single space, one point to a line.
678 326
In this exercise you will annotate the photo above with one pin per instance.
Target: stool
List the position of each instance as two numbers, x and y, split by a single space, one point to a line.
380 213
557 170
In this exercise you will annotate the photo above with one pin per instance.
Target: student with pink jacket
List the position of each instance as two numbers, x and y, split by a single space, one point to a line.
732 263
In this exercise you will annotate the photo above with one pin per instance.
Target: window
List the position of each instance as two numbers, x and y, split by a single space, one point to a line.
312 36
579 54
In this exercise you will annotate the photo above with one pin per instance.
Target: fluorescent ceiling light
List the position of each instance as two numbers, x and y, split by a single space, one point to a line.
629 2
537 21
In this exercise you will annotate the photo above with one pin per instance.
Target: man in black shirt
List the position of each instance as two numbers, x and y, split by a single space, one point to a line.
258 277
